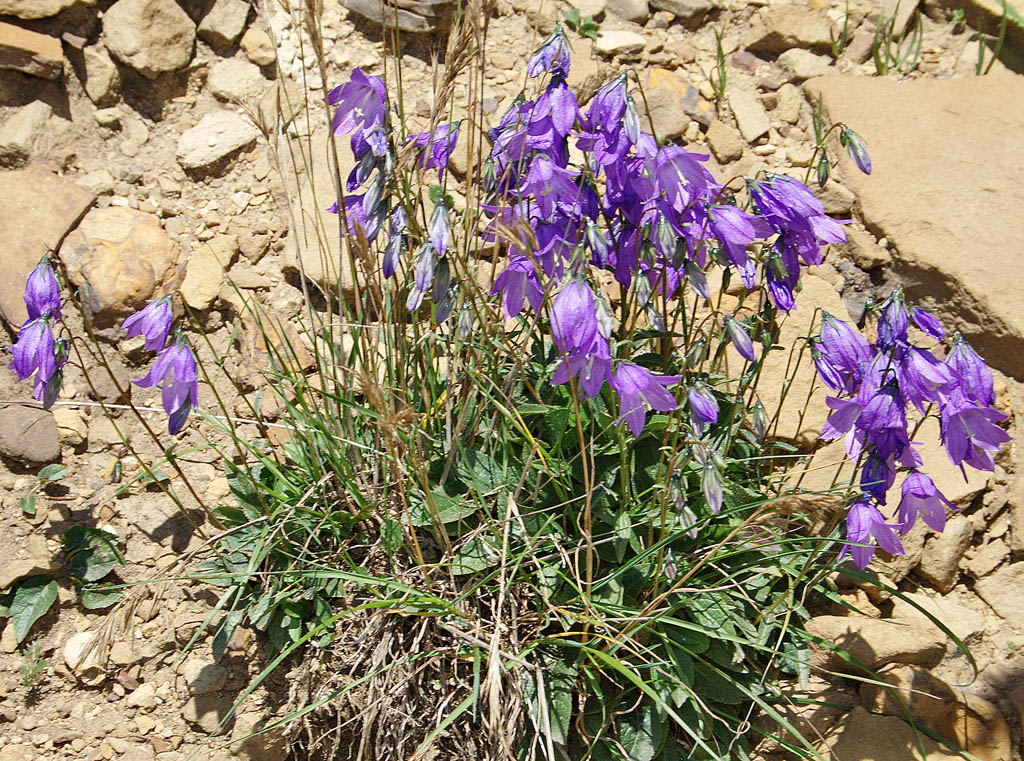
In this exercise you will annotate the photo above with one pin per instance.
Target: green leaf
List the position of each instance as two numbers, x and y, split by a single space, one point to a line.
225 628
449 509
96 597
31 601
641 733
52 473
92 553
391 535
28 504
474 556
559 680
481 472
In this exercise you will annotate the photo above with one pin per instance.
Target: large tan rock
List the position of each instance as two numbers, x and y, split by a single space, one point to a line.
1002 591
38 208
913 691
871 643
33 9
120 259
313 246
860 736
30 52
946 190
151 36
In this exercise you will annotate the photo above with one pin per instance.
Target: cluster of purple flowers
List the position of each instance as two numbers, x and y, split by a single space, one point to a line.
876 385
37 351
658 223
174 371
361 110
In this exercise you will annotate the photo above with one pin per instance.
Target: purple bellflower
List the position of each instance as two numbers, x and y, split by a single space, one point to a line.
927 323
360 102
37 352
974 379
42 294
574 318
740 339
436 148
920 497
552 56
703 408
857 149
152 321
864 523
174 372
638 389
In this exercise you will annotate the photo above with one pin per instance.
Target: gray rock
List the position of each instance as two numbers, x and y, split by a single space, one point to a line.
151 36
724 142
940 563
21 133
788 100
218 135
102 79
207 711
799 64
751 117
629 10
619 42
786 26
689 12
968 625
258 47
28 435
858 49
203 677
836 197
988 558
224 22
1002 591
873 642
267 746
30 52
862 249
39 562
969 202
235 80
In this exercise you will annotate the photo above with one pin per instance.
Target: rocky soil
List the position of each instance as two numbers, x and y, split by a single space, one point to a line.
143 140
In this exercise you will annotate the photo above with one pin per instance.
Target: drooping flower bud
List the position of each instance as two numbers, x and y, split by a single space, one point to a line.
857 149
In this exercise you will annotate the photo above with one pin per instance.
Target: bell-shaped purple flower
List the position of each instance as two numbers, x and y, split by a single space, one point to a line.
920 497
42 294
857 149
37 352
439 230
437 147
174 372
360 102
893 323
740 339
927 322
518 284
574 317
639 389
970 433
845 349
703 408
153 322
972 376
552 56
866 524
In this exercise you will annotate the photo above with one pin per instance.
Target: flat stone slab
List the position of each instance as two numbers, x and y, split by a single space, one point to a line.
947 189
37 209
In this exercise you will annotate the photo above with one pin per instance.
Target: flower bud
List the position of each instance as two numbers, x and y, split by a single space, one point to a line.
857 149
